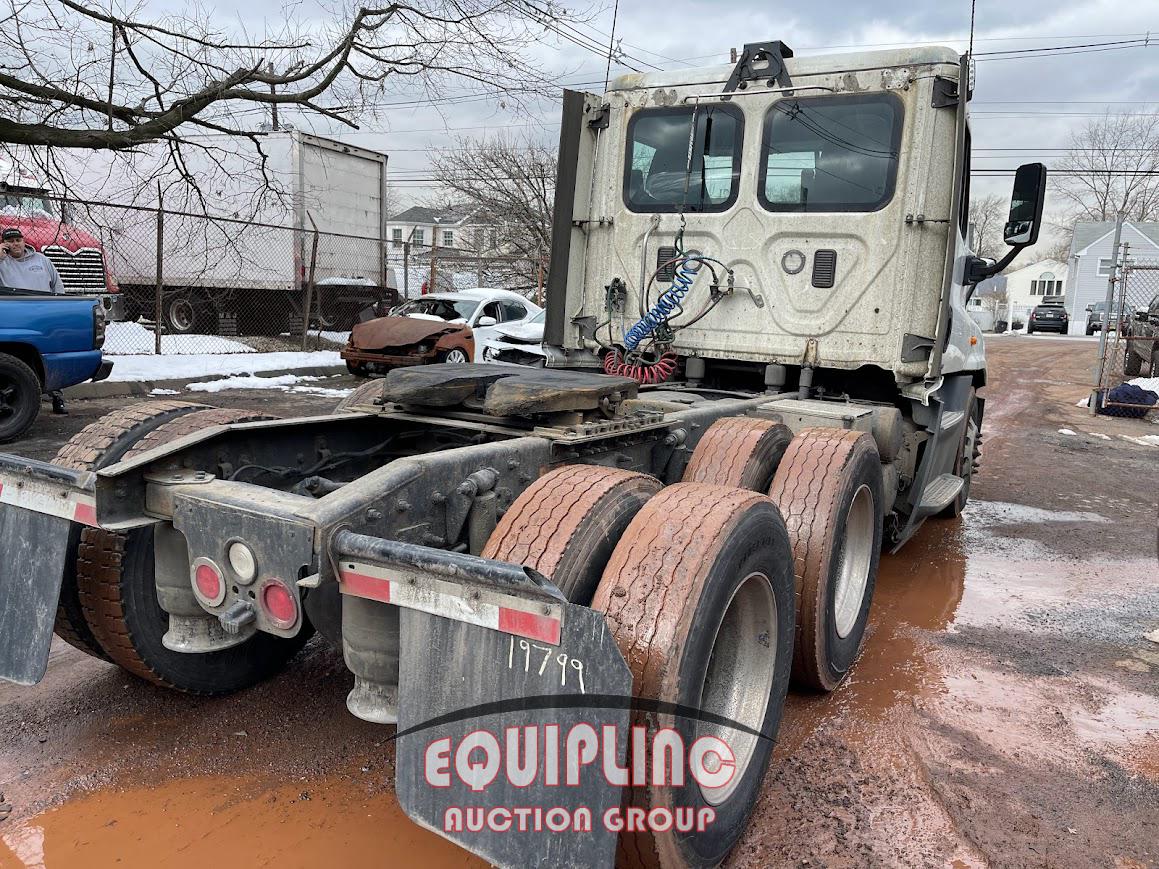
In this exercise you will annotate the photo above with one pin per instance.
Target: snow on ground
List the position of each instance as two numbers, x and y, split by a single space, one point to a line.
989 513
1067 431
130 338
281 382
164 392
184 367
1151 384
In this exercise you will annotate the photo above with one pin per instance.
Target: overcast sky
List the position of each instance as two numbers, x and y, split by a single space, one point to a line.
1030 101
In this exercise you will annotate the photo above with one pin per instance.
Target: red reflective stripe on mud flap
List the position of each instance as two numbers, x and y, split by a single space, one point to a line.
86 514
361 585
530 625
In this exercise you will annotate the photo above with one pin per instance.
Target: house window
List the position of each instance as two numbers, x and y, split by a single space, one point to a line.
396 236
1034 288
1105 267
1058 288
448 238
419 236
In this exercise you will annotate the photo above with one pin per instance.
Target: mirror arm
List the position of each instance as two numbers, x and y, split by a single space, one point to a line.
977 270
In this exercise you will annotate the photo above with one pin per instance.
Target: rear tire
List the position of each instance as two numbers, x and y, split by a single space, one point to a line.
115 581
566 524
699 598
829 489
19 398
1132 364
740 452
95 446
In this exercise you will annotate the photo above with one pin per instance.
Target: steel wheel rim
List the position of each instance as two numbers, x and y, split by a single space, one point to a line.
456 356
739 676
853 568
181 314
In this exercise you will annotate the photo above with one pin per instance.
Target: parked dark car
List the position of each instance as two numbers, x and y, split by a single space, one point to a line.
1096 314
1048 318
1141 355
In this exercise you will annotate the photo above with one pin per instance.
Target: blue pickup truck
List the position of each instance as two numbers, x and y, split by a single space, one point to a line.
47 342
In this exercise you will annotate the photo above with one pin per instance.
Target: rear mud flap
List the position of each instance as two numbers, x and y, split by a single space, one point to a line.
461 688
35 550
39 502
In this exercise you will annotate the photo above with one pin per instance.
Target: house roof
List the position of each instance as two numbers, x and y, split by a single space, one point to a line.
423 214
1043 265
1087 233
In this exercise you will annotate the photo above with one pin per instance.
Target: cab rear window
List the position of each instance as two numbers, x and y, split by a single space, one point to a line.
658 176
835 153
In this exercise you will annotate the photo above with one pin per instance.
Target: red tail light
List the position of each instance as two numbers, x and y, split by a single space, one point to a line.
208 583
279 604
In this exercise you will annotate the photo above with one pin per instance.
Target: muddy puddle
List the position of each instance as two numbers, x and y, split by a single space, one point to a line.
223 823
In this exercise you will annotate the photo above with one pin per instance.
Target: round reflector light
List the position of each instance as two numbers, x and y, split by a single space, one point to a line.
208 583
279 604
241 559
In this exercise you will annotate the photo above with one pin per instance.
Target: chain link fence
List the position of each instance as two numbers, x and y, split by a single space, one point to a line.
1130 343
182 283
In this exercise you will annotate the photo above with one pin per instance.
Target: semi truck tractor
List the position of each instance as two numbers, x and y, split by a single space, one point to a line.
579 593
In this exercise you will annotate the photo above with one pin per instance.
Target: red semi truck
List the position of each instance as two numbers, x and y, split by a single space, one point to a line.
47 225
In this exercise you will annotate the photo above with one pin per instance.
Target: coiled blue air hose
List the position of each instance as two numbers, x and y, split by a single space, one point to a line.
666 305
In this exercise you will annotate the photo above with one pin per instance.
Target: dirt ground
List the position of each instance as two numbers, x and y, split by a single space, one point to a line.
1005 710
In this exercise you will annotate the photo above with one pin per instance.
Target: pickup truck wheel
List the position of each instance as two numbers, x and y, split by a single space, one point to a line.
829 489
115 579
567 522
95 446
739 451
19 398
1132 364
699 598
363 396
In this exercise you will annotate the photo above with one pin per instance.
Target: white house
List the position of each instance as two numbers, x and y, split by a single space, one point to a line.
454 228
1091 258
1029 285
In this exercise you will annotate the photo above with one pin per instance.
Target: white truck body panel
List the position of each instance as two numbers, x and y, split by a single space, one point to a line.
890 262
341 187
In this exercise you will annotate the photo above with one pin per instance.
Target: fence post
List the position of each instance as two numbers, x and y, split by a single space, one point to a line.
160 272
406 269
309 283
1107 309
432 287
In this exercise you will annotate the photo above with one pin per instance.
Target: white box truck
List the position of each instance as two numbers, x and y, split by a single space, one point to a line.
223 274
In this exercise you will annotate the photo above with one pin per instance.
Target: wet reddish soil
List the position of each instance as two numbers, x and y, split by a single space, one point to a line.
1005 710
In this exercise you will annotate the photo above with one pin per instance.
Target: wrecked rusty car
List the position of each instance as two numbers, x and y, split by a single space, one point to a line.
419 332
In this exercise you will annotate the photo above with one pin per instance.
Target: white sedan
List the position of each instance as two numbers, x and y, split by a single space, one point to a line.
485 311
517 344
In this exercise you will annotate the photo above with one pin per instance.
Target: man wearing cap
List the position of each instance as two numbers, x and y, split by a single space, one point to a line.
23 268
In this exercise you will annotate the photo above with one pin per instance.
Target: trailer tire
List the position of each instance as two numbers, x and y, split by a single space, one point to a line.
19 397
566 524
95 446
364 396
829 489
190 313
117 592
739 451
703 569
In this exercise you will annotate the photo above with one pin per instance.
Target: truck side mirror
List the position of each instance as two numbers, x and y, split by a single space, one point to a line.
1026 203
1090 308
